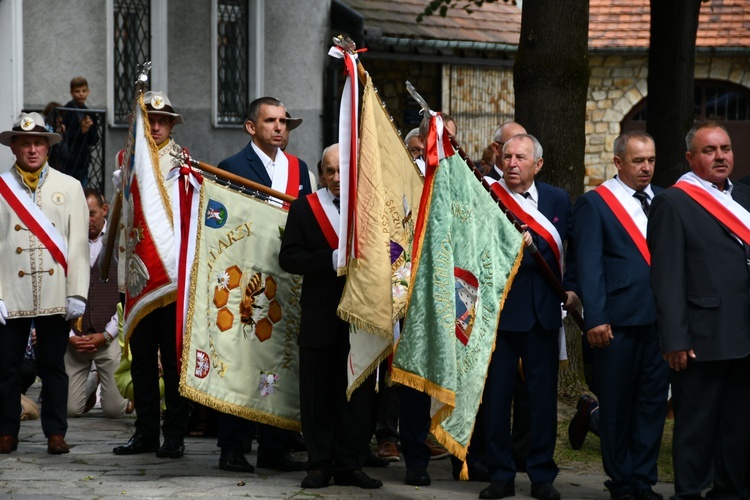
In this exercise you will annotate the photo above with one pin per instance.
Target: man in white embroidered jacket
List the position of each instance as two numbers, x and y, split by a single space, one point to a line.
44 279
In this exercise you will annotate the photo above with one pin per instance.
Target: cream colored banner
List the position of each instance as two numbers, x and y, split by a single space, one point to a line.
240 353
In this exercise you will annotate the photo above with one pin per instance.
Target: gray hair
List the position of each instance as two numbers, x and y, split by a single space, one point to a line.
620 145
325 152
412 133
538 151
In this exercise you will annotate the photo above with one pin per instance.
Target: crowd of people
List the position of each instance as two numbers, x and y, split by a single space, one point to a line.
662 275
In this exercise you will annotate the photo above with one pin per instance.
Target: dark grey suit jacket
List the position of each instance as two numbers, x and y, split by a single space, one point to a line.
700 278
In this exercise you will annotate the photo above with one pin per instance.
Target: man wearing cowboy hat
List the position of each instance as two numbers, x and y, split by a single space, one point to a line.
154 335
45 277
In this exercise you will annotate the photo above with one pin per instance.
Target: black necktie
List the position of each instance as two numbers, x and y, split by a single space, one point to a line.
337 202
643 198
526 195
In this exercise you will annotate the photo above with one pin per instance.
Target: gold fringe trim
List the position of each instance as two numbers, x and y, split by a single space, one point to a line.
370 370
421 384
362 324
150 307
237 410
155 164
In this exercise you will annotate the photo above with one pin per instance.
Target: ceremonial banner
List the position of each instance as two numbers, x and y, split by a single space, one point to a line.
243 312
389 189
150 258
466 256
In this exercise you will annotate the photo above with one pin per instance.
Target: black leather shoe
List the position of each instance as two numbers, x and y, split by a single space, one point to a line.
137 444
647 494
544 491
234 461
499 489
377 462
622 495
172 448
579 424
357 478
295 442
284 463
417 477
316 478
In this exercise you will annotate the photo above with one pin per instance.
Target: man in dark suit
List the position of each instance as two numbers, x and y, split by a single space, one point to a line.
336 430
609 235
263 161
698 235
529 326
502 134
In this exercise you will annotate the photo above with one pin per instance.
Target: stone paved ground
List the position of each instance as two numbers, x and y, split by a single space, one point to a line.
91 471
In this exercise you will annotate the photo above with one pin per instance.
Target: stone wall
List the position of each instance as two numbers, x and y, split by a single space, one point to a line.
617 84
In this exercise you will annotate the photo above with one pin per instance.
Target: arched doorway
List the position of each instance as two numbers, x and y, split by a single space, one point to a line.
724 102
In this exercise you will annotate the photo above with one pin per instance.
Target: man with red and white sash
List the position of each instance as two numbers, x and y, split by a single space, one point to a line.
44 278
336 431
699 235
529 326
263 161
613 271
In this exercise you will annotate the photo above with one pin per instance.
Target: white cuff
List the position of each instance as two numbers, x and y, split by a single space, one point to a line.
74 308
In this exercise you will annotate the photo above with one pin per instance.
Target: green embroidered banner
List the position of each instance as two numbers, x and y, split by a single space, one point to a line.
466 259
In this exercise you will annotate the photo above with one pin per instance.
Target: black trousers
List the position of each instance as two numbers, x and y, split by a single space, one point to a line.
52 342
632 383
155 334
336 431
711 440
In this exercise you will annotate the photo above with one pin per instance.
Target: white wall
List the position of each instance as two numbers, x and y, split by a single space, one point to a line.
11 67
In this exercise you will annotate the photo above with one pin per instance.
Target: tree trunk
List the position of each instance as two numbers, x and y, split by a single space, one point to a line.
551 76
671 71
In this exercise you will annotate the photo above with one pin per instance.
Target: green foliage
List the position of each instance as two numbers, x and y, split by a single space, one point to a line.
442 6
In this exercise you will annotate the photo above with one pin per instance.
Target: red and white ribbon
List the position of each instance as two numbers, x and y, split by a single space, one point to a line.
348 147
36 220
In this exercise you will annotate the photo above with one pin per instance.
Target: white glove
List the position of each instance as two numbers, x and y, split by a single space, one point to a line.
74 308
3 312
335 259
117 180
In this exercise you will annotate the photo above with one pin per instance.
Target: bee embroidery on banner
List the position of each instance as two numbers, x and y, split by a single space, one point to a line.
253 288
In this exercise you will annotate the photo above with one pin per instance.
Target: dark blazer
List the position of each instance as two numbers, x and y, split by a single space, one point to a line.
305 251
494 174
247 164
531 298
700 278
613 276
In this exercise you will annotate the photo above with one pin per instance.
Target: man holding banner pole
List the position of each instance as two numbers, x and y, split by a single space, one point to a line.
336 431
148 257
529 326
263 161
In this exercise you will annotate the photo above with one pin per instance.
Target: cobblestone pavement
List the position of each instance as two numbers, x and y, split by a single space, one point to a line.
91 471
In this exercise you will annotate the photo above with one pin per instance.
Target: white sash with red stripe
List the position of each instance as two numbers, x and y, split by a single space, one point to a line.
326 214
528 214
36 220
628 211
722 207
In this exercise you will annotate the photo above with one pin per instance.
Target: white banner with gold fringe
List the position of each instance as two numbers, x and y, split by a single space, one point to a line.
240 351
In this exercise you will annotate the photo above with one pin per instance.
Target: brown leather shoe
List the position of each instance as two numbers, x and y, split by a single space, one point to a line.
56 445
8 443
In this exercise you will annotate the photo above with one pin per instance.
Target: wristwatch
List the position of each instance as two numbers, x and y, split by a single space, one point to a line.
107 338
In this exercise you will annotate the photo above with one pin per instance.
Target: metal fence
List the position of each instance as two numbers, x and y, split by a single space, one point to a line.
79 154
